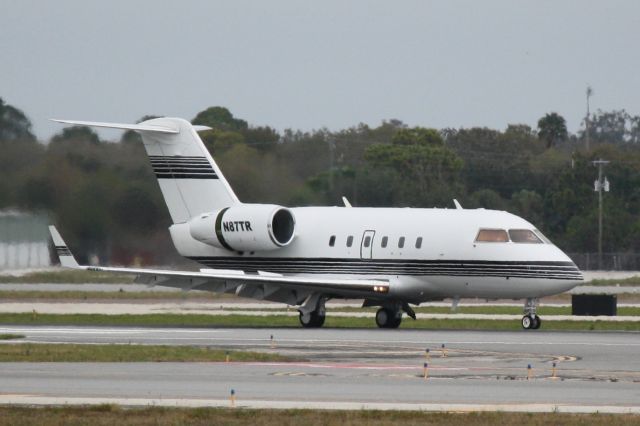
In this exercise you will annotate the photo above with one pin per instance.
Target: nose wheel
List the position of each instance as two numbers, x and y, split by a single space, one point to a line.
531 322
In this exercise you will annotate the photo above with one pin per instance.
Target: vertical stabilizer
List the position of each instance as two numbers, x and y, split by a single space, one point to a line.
189 179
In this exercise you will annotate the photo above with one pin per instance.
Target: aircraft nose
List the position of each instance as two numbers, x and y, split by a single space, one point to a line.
571 275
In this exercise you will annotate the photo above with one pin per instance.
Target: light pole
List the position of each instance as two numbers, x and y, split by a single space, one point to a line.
599 186
586 120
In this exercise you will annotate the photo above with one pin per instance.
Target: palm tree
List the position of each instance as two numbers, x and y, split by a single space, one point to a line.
552 128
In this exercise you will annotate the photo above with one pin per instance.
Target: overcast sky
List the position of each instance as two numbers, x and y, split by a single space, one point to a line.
306 65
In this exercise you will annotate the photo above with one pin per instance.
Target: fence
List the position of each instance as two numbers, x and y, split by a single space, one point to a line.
610 261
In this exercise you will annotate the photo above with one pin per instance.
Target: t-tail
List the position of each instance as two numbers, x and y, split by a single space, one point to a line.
189 178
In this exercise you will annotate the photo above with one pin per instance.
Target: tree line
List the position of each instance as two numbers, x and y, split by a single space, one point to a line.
104 196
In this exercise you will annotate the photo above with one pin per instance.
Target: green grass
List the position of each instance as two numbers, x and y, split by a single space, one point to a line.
625 281
11 336
210 321
30 352
68 276
113 414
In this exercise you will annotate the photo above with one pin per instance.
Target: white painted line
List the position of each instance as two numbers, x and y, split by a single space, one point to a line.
149 334
321 405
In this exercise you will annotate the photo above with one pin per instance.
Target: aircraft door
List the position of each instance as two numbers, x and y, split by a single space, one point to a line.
366 245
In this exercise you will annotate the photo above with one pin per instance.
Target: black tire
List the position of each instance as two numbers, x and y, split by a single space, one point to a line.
395 321
313 320
387 318
382 317
537 322
526 322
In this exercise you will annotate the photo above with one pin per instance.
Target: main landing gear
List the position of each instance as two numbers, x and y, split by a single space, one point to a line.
312 319
530 320
391 316
388 318
312 311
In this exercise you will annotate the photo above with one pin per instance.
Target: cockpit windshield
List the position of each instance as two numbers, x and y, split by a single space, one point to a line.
524 236
492 236
514 235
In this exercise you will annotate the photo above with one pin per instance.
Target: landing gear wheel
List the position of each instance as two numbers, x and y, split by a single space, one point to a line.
386 318
530 320
536 322
526 322
311 320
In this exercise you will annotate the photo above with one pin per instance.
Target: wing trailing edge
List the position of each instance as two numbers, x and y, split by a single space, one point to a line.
189 280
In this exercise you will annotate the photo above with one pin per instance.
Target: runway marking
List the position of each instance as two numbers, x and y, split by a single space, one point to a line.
149 335
326 405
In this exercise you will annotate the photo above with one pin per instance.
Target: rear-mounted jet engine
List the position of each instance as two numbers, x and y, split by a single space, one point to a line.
245 227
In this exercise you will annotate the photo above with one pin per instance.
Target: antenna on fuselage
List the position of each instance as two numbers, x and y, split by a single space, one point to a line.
457 204
346 202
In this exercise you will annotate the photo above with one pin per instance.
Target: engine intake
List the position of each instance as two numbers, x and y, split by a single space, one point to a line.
245 227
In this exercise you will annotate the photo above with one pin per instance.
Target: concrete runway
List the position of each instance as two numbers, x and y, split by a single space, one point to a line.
383 369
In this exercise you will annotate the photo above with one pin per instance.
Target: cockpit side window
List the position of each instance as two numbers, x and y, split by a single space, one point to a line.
492 236
542 236
524 236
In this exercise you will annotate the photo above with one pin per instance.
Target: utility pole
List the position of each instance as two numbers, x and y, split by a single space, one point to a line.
599 186
586 120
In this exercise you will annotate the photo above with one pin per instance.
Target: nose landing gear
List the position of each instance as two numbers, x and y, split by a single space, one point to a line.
530 320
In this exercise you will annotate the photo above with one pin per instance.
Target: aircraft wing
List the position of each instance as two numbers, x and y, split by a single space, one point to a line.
261 285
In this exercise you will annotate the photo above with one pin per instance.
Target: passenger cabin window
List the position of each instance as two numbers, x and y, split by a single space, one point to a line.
401 242
384 242
367 241
349 240
524 236
332 241
419 242
492 236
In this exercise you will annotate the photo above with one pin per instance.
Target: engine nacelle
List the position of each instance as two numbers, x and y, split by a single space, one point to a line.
245 227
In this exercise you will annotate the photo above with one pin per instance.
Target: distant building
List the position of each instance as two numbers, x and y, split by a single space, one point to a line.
24 240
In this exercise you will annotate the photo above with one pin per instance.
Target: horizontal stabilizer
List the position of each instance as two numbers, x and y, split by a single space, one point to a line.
136 127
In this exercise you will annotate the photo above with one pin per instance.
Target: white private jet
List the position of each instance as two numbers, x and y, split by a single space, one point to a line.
390 257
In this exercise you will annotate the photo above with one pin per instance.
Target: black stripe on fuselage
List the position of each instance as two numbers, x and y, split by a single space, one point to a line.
174 167
549 270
